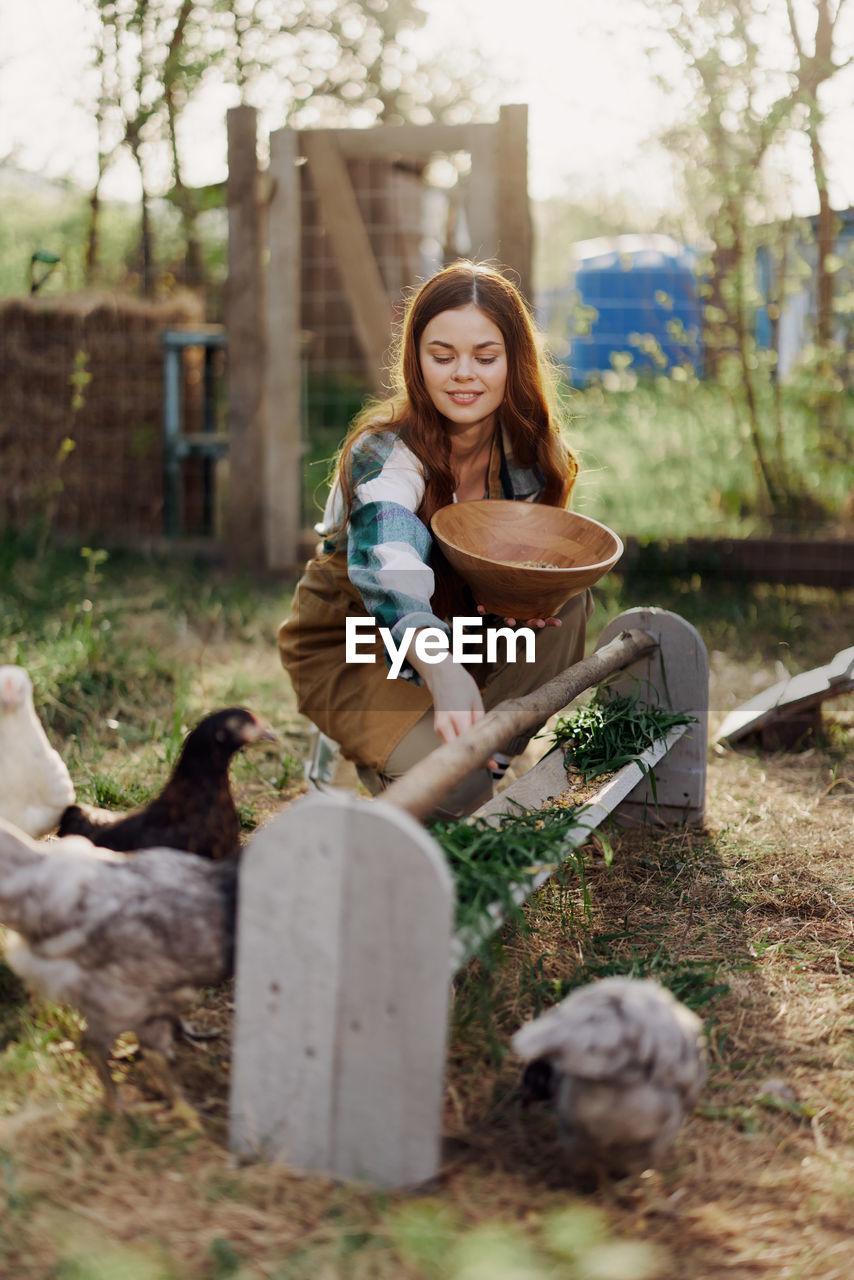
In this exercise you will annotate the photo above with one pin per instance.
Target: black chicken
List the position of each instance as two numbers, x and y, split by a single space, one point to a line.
195 812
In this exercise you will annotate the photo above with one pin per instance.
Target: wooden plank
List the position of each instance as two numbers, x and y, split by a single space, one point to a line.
548 779
481 198
287 990
352 247
533 791
407 141
395 989
675 674
515 231
342 992
790 697
244 319
282 473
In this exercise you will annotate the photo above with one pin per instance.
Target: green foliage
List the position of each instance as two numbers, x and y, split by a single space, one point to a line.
13 1004
311 65
79 378
746 106
225 1261
696 982
57 217
573 1243
331 403
493 860
671 457
55 624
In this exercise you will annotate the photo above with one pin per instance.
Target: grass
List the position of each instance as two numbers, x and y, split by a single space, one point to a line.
747 919
672 459
665 457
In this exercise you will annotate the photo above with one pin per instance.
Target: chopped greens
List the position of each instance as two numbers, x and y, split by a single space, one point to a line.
613 730
488 858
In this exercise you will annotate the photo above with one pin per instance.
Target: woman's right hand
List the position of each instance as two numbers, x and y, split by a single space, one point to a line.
456 699
457 703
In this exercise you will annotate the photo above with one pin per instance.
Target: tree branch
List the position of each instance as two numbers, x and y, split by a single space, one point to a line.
419 790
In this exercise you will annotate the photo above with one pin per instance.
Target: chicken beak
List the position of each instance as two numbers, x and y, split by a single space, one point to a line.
259 731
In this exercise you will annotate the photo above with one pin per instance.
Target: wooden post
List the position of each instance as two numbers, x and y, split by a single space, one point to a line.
282 472
244 318
482 195
676 673
515 235
344 934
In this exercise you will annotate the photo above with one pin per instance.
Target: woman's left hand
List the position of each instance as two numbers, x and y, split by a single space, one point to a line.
537 623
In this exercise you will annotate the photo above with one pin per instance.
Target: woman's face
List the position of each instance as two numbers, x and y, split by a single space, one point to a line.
464 365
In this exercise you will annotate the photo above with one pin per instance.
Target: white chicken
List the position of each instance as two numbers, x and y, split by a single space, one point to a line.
35 785
622 1060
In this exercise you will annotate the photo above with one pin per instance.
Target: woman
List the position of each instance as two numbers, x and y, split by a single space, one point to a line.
470 419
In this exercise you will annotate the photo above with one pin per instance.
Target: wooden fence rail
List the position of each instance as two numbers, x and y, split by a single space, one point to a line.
815 562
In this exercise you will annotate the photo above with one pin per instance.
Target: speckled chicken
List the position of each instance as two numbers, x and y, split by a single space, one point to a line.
35 786
195 811
623 1062
127 941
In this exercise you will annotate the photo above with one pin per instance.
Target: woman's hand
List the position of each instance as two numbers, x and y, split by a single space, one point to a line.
457 704
537 623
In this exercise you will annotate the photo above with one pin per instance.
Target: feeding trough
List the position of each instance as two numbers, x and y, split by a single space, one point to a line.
346 946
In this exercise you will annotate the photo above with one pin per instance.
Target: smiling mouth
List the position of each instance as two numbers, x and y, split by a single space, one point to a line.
464 397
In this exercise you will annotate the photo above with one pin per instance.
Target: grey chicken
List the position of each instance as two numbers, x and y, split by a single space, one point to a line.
35 786
622 1061
128 942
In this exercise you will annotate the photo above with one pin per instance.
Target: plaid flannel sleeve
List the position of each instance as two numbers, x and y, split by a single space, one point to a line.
388 546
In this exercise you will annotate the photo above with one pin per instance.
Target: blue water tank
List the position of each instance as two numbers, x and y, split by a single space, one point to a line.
631 289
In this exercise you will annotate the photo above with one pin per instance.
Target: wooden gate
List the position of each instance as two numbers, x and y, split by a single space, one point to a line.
313 193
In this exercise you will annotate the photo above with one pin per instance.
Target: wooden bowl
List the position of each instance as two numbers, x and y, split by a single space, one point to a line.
485 541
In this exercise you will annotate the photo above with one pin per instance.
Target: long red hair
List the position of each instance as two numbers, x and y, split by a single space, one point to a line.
527 413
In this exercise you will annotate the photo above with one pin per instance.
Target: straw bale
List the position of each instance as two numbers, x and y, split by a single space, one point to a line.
111 483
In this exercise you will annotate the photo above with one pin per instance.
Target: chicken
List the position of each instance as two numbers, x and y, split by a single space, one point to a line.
623 1062
195 811
127 941
35 786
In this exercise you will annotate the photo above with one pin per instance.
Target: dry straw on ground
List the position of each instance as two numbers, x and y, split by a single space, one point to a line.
750 918
759 901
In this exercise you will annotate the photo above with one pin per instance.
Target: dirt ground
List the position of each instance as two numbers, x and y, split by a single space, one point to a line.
760 1183
749 918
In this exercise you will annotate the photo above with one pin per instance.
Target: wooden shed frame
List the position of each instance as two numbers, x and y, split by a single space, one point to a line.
263 305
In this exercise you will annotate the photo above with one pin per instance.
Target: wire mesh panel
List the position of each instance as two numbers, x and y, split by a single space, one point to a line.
81 413
399 207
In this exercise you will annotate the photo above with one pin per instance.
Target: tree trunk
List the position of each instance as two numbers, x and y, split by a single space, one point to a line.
146 237
93 242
